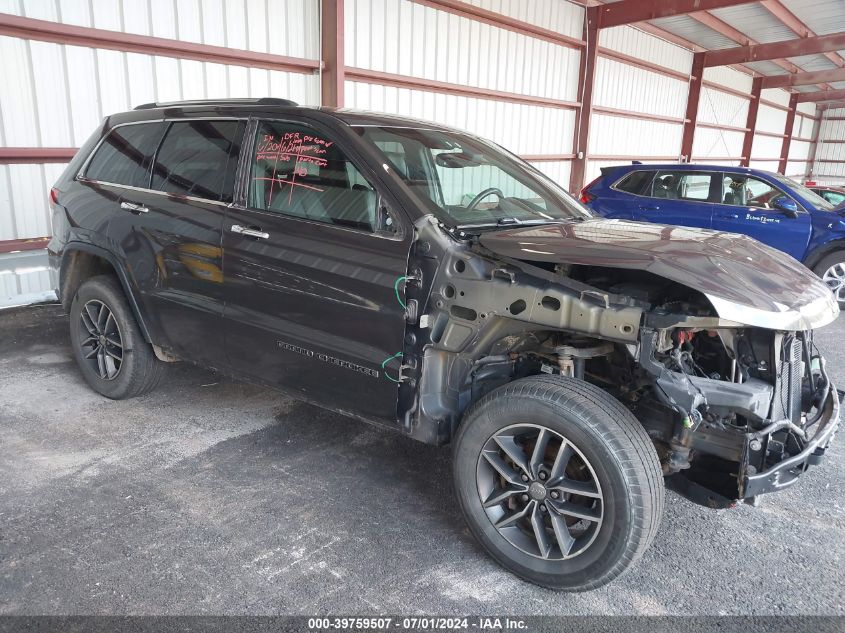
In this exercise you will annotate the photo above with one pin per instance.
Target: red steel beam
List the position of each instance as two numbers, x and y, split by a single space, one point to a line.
24 155
586 80
632 11
751 120
775 50
787 134
723 28
45 31
820 96
804 79
692 105
792 22
331 51
30 244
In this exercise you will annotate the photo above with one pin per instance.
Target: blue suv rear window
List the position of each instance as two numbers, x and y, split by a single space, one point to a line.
636 182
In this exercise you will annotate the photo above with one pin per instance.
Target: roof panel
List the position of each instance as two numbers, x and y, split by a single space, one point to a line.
694 31
821 16
756 22
812 62
766 68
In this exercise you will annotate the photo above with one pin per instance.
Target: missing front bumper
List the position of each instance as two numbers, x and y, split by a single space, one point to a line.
785 473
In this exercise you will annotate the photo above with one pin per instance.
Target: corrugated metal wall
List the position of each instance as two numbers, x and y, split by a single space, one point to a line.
829 167
53 95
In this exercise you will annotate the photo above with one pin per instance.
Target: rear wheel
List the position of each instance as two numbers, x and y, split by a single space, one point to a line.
832 271
558 481
108 346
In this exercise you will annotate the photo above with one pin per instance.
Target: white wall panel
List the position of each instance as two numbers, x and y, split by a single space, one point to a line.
54 107
799 150
619 85
636 43
771 119
768 165
283 27
411 39
728 77
557 171
776 95
766 147
715 106
613 135
562 17
23 200
709 142
523 129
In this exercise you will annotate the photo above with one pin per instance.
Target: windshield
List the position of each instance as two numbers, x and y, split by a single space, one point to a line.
471 183
810 196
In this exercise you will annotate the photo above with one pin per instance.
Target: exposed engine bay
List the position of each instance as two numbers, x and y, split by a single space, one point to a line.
734 411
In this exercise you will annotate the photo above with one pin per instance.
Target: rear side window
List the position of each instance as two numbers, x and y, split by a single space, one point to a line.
125 156
682 185
199 158
636 182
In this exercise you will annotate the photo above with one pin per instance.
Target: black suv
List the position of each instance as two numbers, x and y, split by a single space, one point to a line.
425 280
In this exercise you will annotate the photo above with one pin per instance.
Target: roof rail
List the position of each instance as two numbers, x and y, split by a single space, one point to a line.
200 102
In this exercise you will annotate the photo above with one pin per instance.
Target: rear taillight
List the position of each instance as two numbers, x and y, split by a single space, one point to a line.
54 195
586 197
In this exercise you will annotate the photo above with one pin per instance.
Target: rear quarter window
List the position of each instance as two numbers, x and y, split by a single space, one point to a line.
636 182
125 156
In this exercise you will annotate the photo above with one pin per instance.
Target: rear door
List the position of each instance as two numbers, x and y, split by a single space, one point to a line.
314 268
679 197
170 232
747 208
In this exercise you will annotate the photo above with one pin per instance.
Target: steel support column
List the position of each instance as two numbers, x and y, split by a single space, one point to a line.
787 133
331 52
692 105
751 121
583 116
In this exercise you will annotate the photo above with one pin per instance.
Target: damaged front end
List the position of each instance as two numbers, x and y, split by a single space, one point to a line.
746 410
714 355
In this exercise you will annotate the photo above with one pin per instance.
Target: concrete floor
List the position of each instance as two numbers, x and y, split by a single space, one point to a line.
211 496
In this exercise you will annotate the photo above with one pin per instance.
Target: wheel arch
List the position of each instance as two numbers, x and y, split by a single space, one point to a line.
82 261
822 251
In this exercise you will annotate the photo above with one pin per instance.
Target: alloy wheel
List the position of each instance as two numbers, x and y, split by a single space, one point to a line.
101 341
540 492
834 277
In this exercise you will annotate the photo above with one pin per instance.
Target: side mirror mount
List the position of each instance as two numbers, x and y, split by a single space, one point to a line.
786 205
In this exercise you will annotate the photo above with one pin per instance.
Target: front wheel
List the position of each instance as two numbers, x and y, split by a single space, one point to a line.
832 271
558 481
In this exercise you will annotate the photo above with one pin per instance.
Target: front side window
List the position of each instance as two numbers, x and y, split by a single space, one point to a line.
124 157
198 159
299 172
833 197
745 191
469 182
682 185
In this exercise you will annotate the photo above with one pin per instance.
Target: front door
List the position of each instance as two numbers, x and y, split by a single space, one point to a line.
747 208
170 232
314 269
678 197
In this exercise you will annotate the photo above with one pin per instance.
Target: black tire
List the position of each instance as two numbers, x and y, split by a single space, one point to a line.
831 270
618 452
138 370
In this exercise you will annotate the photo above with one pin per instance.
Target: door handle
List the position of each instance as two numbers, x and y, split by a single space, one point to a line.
134 208
242 230
729 216
650 207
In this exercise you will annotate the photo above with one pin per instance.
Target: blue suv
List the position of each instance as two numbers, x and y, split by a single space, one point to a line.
764 205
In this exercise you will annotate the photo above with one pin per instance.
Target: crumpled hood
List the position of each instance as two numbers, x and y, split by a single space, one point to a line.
747 282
